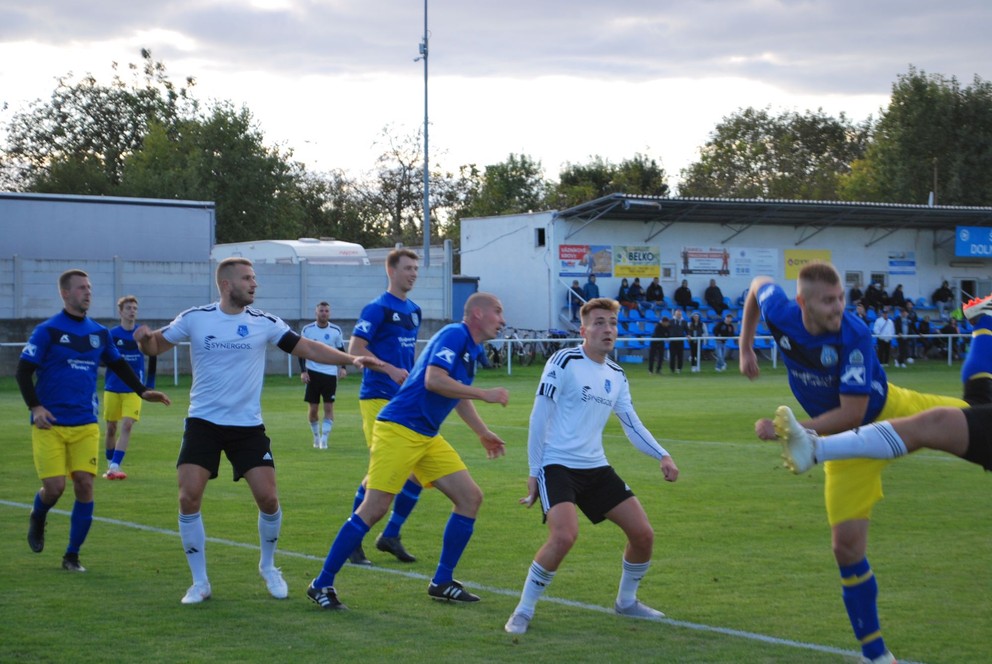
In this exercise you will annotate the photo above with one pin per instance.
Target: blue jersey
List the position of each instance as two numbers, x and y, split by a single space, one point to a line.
416 407
824 366
390 326
67 351
124 341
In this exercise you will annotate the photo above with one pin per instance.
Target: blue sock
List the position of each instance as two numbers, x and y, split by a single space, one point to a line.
79 525
40 508
109 452
456 536
978 362
359 497
403 504
860 595
118 457
350 536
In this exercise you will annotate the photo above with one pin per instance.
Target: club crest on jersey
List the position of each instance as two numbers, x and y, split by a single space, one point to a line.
94 341
446 355
242 330
856 358
607 386
828 356
415 318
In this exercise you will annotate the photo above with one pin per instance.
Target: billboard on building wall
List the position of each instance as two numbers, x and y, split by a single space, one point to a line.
902 262
748 263
796 258
973 242
580 260
701 260
636 261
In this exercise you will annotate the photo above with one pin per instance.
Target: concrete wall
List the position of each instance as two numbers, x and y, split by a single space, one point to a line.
29 294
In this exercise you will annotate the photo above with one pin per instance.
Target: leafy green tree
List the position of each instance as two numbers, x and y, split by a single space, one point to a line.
222 158
579 183
78 140
514 185
933 136
754 154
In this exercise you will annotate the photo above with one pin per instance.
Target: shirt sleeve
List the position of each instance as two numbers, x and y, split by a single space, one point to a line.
178 330
544 409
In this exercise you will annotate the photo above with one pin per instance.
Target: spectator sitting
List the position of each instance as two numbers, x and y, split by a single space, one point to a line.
942 298
636 293
855 295
655 294
683 296
898 299
714 297
873 297
623 295
950 327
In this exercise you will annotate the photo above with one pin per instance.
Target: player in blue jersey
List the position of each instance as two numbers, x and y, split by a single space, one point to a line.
321 379
579 389
387 329
65 351
228 344
835 375
120 403
405 440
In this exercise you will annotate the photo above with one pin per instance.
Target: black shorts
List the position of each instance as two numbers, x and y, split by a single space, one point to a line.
321 386
245 447
595 491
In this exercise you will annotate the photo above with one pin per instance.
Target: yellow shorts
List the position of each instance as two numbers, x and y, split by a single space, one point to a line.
65 450
853 486
118 405
397 451
370 408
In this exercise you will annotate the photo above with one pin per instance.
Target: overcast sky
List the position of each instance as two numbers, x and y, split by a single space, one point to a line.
557 80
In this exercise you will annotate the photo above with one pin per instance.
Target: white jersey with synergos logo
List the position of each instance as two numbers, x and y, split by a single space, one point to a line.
585 393
228 357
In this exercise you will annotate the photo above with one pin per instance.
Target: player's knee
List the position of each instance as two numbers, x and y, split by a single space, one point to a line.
642 538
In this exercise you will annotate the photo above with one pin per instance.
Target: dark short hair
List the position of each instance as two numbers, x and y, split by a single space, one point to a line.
67 276
393 259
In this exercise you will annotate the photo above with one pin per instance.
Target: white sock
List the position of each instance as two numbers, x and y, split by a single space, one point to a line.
269 526
871 441
194 539
538 579
630 579
328 424
315 427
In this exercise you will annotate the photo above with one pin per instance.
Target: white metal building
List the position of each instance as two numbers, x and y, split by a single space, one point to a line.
530 260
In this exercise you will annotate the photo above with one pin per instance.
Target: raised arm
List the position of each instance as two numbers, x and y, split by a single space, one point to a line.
150 342
749 325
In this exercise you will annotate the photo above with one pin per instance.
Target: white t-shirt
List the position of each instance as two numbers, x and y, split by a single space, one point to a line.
330 335
584 393
228 357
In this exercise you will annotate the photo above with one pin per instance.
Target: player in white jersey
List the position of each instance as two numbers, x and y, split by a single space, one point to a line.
228 343
579 389
321 379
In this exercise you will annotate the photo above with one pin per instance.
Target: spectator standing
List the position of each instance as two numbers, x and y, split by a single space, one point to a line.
656 350
676 348
591 289
575 299
696 330
883 329
873 297
722 331
898 299
902 328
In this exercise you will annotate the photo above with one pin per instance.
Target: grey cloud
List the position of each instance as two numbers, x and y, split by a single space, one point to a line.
813 46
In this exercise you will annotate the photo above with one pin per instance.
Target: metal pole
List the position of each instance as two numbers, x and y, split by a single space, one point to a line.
427 187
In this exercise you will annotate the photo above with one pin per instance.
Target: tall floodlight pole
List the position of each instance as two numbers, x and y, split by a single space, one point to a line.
427 184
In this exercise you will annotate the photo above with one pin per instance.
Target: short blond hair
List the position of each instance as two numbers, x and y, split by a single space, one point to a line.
224 267
598 303
124 300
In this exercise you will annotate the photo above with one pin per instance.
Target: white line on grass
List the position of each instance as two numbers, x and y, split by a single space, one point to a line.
752 636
